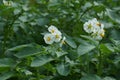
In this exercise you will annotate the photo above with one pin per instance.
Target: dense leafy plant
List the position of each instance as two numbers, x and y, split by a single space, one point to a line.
59 40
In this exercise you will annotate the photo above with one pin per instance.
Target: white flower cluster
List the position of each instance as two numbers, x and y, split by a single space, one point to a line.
54 36
95 28
7 3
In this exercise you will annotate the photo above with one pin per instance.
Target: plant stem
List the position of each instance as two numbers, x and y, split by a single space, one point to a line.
7 31
100 63
37 72
88 69
5 38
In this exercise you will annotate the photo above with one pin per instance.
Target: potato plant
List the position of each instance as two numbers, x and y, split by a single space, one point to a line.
59 40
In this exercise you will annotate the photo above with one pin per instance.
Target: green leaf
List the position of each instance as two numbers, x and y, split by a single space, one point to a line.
41 60
99 8
27 72
17 11
6 62
28 51
6 75
87 5
59 54
114 34
108 78
116 42
17 48
116 60
23 18
91 77
92 40
117 45
63 69
106 48
70 42
42 21
53 3
113 15
85 48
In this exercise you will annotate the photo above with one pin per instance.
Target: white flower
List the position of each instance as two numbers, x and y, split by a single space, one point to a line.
54 36
97 25
99 35
52 29
58 36
102 33
7 3
49 38
88 26
95 28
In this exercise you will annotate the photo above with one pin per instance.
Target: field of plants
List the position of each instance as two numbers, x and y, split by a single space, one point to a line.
59 39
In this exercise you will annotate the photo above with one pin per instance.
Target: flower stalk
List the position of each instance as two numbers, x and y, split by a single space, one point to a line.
99 70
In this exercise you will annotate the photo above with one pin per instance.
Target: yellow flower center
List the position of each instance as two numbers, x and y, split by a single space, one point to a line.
52 31
48 38
89 26
57 36
102 35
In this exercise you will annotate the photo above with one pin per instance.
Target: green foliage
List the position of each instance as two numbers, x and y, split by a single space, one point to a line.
90 77
24 55
85 48
63 69
41 60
